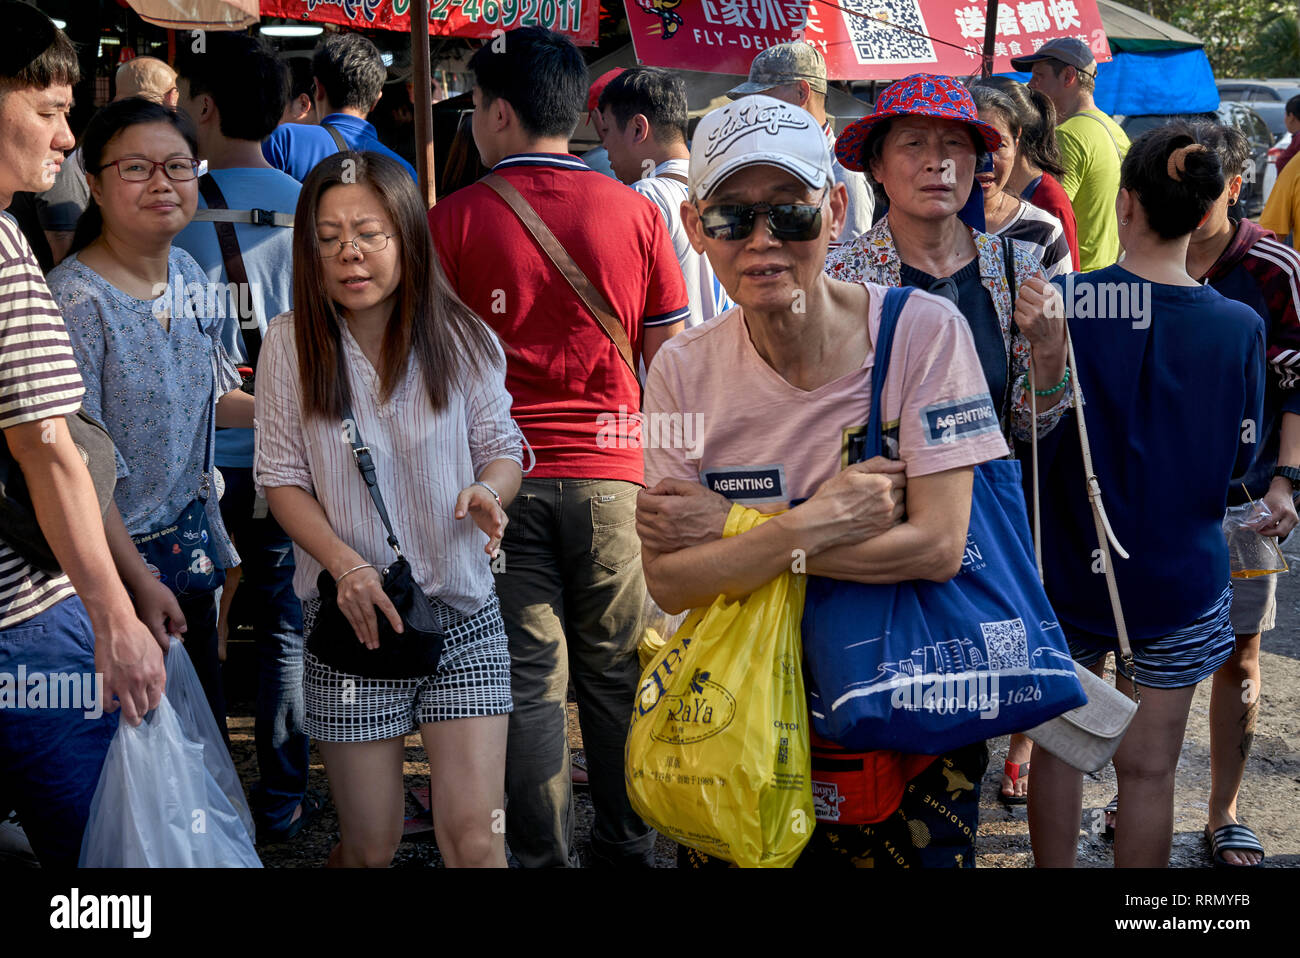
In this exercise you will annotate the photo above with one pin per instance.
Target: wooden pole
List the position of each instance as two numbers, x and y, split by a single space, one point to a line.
990 32
424 157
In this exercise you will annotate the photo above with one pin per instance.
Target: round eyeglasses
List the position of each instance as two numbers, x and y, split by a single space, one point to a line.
138 169
362 243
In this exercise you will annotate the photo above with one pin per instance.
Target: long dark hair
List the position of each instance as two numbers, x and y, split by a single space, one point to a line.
449 341
103 126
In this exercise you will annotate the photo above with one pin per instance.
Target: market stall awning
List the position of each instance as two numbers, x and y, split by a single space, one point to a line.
861 39
1154 68
197 14
577 19
1129 29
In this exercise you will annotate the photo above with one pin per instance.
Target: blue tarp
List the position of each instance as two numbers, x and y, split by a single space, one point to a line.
1161 81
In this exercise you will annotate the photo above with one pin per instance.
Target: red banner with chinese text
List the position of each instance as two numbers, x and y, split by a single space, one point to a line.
861 39
578 19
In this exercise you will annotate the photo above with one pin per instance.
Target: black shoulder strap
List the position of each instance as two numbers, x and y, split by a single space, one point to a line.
361 454
1009 262
249 327
338 138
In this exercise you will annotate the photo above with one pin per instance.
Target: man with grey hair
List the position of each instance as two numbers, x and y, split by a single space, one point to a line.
59 207
795 73
148 77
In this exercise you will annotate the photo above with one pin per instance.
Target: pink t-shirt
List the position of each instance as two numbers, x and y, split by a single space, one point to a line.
716 413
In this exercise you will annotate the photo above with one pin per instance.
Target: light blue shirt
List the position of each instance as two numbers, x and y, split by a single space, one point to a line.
268 259
152 388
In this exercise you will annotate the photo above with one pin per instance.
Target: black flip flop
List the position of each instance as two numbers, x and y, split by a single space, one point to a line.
1236 838
1112 808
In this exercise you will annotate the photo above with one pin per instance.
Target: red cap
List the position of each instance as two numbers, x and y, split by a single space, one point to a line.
598 87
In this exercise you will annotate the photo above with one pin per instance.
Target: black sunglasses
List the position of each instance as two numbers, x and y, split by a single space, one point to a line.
795 222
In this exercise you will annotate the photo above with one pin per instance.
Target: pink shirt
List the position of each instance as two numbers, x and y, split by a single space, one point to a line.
422 461
717 413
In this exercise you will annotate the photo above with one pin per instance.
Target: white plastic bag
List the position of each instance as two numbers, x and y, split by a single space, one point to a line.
186 695
158 803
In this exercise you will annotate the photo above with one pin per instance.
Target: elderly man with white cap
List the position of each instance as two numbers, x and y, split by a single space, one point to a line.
781 387
796 73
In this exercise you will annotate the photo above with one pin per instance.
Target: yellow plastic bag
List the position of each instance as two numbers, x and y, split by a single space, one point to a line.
717 754
658 628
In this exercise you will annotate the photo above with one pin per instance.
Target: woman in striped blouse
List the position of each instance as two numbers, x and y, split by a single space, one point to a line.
379 347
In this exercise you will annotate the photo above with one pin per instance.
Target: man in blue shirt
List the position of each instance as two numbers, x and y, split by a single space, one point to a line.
349 81
235 92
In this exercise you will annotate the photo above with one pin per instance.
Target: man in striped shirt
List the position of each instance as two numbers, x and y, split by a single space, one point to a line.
50 753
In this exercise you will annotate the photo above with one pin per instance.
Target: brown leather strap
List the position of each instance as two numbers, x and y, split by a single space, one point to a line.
552 247
674 176
249 327
338 137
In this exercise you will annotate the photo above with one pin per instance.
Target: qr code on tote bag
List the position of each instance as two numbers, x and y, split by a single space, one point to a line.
876 42
1007 643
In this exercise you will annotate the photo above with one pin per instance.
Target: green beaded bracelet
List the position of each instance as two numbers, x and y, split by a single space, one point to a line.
1065 381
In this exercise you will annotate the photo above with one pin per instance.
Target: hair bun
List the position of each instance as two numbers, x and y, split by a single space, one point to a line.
1178 160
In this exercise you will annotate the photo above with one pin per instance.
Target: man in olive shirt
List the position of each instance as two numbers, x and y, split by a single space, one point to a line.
1092 144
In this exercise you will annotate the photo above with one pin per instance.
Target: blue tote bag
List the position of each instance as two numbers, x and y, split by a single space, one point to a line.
926 667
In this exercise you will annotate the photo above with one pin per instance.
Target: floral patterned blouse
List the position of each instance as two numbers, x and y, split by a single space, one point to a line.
152 388
872 257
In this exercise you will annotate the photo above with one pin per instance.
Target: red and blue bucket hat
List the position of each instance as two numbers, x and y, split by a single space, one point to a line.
921 94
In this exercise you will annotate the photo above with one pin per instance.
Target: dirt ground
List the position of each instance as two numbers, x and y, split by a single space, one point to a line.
1269 802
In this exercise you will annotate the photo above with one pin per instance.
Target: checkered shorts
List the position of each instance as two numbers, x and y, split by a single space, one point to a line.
473 679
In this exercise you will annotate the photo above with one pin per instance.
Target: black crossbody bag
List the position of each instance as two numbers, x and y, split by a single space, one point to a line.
412 653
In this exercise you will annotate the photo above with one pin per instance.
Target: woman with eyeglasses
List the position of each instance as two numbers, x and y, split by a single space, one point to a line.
145 326
379 351
781 388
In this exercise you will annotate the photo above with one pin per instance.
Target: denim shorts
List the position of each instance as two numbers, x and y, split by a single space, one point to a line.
1174 661
50 756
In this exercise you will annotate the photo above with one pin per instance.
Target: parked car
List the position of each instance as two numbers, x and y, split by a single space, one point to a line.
1237 115
1266 97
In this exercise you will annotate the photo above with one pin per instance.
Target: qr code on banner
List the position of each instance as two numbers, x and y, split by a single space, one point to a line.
1007 643
876 42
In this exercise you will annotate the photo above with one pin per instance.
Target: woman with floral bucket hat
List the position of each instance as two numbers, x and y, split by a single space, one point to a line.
923 145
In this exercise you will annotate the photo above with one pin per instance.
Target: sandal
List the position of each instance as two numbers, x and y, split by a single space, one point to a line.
1233 838
1013 771
1112 808
578 768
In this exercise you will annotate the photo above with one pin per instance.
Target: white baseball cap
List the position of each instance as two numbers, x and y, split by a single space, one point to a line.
758 131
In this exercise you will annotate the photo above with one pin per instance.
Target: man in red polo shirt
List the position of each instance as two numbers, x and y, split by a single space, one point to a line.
571 586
